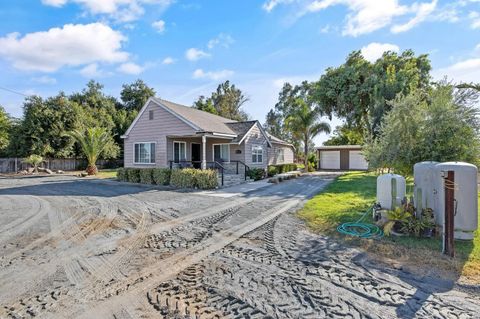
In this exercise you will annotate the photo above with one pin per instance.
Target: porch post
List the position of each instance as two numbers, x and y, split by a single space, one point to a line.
204 152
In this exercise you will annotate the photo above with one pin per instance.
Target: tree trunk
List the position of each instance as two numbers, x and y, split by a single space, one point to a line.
92 169
306 153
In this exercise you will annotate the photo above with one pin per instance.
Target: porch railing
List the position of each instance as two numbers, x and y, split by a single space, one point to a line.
246 168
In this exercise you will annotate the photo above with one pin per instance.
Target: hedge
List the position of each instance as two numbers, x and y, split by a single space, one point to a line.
206 179
161 176
256 173
281 168
133 175
122 174
194 178
146 175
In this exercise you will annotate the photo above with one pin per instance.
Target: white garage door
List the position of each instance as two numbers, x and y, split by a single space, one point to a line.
330 160
357 160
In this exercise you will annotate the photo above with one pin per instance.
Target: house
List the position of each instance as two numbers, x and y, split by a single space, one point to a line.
166 134
341 157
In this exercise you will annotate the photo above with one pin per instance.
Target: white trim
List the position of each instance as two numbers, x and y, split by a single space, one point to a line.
263 154
261 130
152 99
213 151
320 148
173 150
154 155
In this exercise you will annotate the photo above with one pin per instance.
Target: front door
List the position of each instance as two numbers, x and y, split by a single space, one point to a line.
196 155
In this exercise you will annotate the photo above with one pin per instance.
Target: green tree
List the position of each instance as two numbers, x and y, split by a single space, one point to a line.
359 91
135 95
34 160
5 127
303 122
226 101
426 126
344 135
93 141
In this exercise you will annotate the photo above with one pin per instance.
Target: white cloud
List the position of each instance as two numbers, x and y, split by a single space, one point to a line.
475 19
463 71
325 29
374 50
54 3
120 10
131 68
224 40
159 26
91 71
71 45
212 75
168 60
194 54
45 80
364 16
422 10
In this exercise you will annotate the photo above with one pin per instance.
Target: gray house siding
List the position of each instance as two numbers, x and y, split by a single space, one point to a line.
256 138
288 154
145 130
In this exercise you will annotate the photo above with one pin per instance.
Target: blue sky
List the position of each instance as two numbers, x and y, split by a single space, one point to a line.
184 48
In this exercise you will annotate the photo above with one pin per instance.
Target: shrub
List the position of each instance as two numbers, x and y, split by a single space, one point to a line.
183 178
272 170
206 179
256 173
161 176
121 174
133 175
146 175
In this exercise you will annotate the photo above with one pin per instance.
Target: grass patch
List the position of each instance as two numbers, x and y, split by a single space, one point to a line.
353 193
107 173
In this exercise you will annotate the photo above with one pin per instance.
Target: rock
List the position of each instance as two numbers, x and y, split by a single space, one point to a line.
30 170
24 172
48 171
60 171
41 169
83 174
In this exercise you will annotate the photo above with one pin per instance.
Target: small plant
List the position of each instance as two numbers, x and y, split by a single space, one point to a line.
396 219
34 160
121 174
256 173
272 170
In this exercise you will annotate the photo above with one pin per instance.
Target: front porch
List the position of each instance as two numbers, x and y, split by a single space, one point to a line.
208 152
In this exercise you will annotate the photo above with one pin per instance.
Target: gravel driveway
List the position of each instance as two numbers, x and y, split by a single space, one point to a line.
93 249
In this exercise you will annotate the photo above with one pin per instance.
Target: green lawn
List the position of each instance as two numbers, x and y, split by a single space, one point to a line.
107 173
351 194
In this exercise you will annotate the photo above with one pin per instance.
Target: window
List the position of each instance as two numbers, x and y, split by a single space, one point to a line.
144 153
179 151
150 115
280 155
221 152
257 154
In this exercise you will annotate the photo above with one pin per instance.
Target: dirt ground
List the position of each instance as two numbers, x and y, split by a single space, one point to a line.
79 248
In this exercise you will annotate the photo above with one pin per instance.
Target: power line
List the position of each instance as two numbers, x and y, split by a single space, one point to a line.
13 91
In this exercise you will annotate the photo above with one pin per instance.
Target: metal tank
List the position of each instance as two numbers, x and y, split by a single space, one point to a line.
391 189
424 177
465 194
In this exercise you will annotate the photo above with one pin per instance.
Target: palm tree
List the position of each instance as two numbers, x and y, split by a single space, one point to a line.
92 142
304 124
34 160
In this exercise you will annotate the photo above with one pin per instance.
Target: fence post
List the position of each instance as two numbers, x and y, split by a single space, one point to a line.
448 228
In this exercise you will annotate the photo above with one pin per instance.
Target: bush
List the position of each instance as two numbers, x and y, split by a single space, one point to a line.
133 175
281 168
146 175
256 173
272 170
206 179
121 174
161 176
183 178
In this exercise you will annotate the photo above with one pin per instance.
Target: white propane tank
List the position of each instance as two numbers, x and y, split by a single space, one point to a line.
384 190
424 177
465 194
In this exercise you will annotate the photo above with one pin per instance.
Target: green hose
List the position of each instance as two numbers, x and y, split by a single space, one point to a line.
359 229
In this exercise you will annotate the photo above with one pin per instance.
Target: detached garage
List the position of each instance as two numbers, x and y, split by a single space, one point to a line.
341 157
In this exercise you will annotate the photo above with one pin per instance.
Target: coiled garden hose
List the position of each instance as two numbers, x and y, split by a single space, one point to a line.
359 229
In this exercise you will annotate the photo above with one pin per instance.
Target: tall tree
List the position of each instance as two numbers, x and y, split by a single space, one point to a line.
135 95
303 122
5 127
93 141
344 135
226 101
358 91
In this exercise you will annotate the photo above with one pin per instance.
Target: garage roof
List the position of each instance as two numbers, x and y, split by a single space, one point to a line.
339 147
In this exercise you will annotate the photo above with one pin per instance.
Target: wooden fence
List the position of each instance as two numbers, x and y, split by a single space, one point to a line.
12 165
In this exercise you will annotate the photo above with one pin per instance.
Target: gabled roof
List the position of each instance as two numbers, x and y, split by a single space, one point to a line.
276 140
241 129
